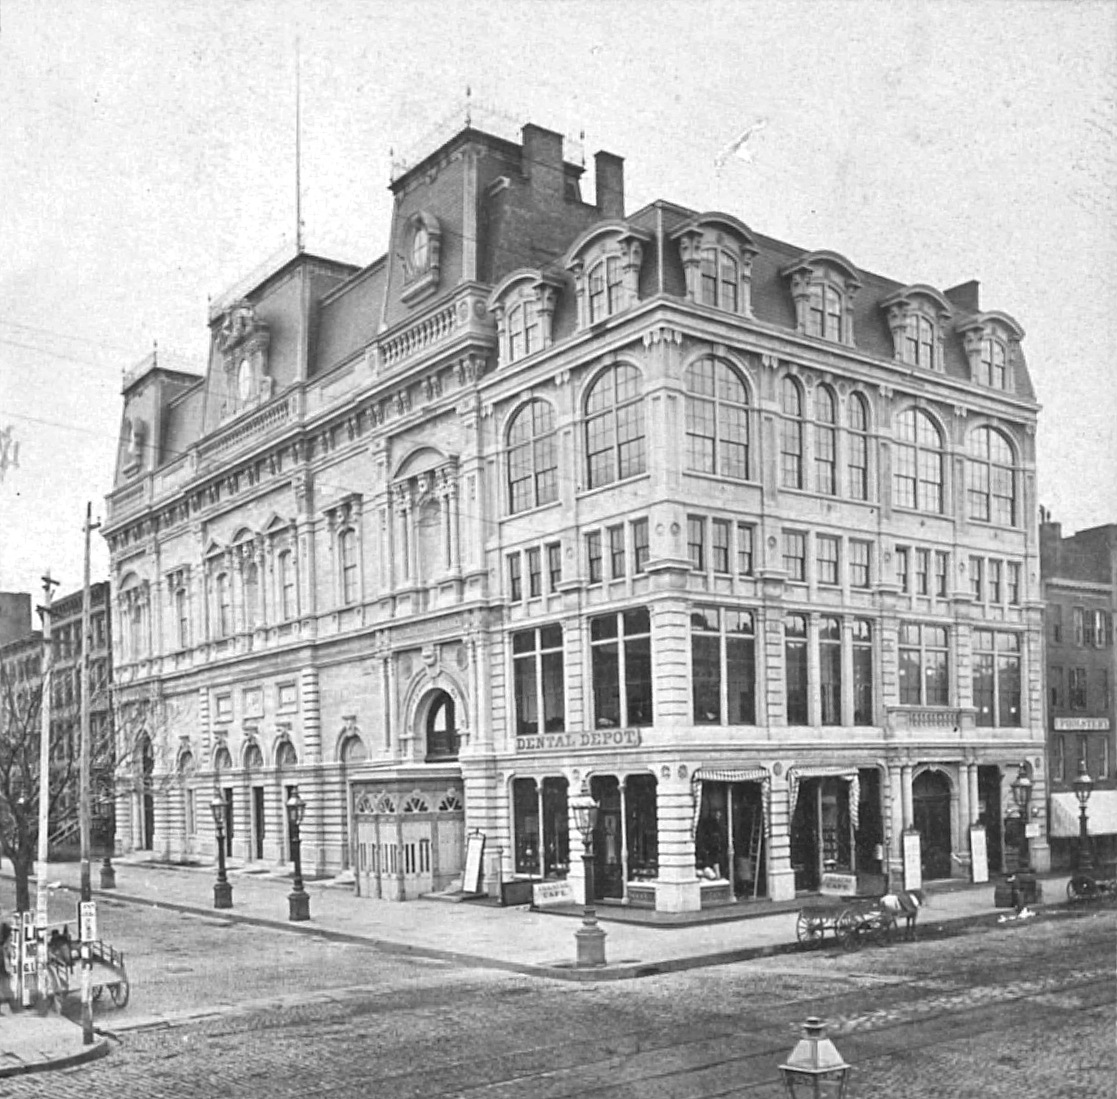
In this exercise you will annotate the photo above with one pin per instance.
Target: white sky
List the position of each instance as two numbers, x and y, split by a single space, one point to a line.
146 163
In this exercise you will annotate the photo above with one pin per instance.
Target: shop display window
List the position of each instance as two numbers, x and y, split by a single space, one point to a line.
642 827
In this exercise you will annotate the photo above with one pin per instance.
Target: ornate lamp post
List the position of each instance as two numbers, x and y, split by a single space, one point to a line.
815 1069
590 938
1083 788
1022 795
222 889
298 900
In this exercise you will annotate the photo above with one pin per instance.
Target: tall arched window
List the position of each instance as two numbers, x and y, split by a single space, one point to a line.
224 605
991 481
717 420
286 585
824 315
532 457
721 279
442 732
917 481
615 443
857 464
825 441
606 281
791 435
347 562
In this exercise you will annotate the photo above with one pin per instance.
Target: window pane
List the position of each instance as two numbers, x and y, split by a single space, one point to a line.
638 680
740 679
606 686
706 673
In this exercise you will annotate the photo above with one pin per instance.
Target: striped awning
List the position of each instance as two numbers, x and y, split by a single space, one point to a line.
738 774
822 770
1101 814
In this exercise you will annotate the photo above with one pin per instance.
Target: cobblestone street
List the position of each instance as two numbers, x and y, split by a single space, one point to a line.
221 1008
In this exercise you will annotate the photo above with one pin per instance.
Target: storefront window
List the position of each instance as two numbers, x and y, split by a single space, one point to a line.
525 811
541 829
642 827
862 672
830 670
538 680
556 828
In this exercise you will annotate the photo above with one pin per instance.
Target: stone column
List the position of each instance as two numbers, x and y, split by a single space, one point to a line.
677 889
781 877
905 795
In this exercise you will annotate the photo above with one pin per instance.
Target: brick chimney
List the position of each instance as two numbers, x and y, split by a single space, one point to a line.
542 162
965 296
609 170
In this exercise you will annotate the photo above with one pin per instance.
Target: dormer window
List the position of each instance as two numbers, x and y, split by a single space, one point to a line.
244 341
918 317
823 285
524 307
717 252
989 339
605 262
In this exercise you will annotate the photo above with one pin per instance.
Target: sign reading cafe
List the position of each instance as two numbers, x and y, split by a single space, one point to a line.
598 738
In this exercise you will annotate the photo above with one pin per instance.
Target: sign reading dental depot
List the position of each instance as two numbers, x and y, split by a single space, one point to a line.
596 738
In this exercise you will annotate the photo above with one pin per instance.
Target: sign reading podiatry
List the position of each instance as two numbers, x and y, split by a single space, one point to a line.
979 854
913 860
87 920
549 893
835 884
474 849
598 738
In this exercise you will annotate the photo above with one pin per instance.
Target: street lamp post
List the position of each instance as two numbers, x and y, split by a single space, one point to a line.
222 889
298 901
1022 795
590 938
815 1069
1083 788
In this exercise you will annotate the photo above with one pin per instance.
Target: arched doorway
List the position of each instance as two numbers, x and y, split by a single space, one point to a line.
147 771
442 730
253 765
930 795
286 761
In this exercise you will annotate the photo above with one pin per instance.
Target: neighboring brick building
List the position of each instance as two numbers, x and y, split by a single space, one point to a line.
739 531
1079 576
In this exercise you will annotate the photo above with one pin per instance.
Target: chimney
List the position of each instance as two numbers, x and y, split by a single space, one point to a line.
609 170
965 296
1050 544
542 161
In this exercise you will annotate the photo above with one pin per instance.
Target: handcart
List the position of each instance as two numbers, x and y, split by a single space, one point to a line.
63 972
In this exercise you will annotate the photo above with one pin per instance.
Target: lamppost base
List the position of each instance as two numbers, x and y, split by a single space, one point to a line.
590 942
108 875
223 894
299 905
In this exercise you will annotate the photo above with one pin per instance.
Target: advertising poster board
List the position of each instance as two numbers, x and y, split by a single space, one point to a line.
979 854
913 861
474 849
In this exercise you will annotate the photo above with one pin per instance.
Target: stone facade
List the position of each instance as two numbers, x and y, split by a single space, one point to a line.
550 493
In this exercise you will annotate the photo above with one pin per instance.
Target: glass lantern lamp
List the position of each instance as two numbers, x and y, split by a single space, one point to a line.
815 1069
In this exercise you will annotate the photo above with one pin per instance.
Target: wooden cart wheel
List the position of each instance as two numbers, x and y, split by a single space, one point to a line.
98 992
847 930
1081 886
882 927
808 929
120 992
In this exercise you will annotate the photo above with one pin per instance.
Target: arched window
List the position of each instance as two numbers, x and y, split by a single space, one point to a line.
991 481
523 329
182 616
442 733
791 435
825 441
224 606
720 279
532 457
253 758
251 595
920 341
857 466
285 755
353 750
287 586
606 282
420 248
918 477
615 444
993 364
717 420
347 560
824 314
830 670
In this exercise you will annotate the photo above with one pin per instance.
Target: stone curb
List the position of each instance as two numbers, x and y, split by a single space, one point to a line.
94 1052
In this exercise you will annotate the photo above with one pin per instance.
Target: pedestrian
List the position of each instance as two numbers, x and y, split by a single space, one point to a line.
6 993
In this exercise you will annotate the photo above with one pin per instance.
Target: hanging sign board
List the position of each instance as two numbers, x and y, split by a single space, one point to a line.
474 849
913 861
979 854
548 893
87 919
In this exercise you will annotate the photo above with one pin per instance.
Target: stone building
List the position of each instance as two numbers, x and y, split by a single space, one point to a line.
1079 574
735 530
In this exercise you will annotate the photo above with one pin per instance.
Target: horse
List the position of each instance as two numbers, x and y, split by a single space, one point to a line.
906 903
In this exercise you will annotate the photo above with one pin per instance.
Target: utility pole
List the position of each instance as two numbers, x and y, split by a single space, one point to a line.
42 918
87 923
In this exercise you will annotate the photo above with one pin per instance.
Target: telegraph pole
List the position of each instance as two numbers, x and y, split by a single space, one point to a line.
42 919
87 923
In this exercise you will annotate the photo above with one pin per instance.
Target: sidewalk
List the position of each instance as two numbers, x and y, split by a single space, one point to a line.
538 943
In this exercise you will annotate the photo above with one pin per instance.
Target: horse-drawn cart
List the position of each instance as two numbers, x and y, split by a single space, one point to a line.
854 920
1084 885
63 972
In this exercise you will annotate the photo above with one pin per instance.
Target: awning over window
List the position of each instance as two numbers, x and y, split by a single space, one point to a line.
851 775
1101 814
745 774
